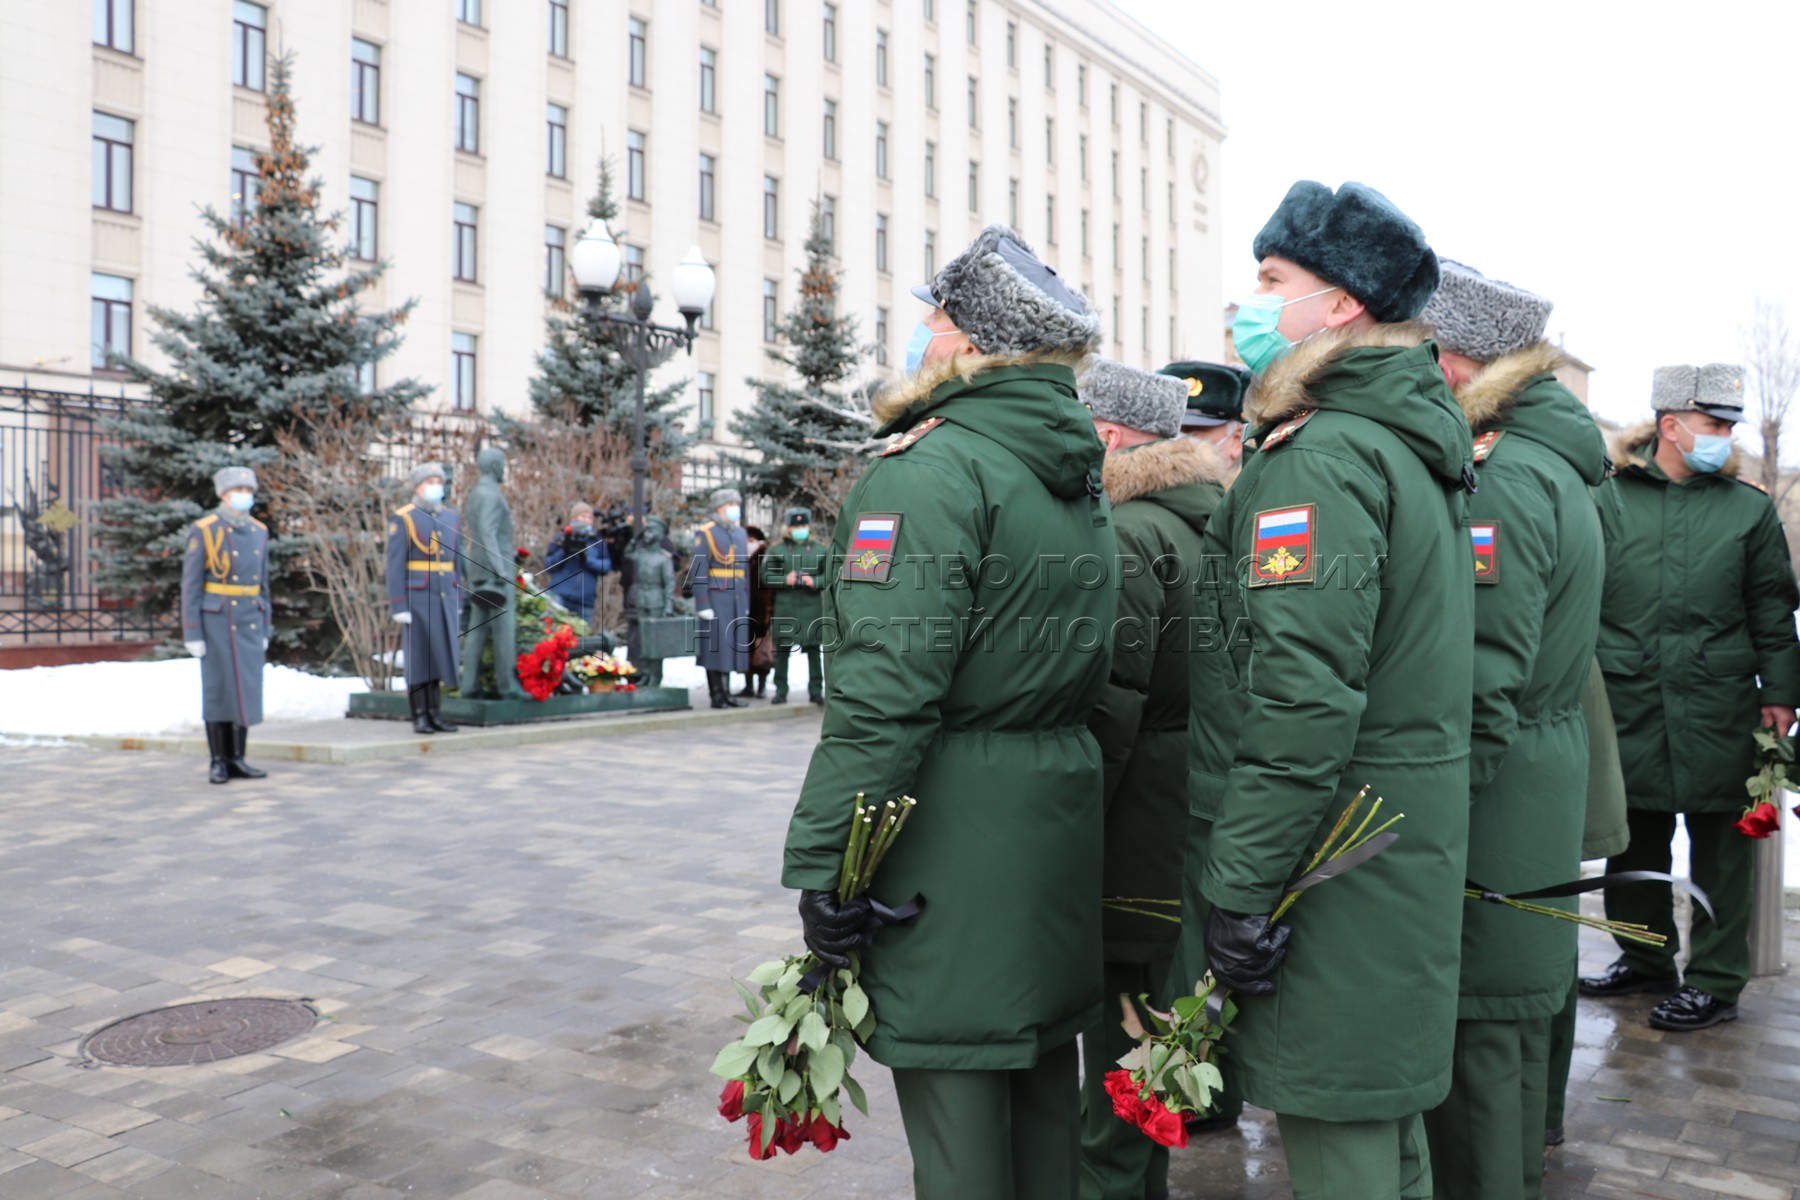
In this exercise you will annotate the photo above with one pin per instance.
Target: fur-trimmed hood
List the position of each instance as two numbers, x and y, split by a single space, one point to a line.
1159 466
1285 390
1518 392
1496 387
1635 447
910 391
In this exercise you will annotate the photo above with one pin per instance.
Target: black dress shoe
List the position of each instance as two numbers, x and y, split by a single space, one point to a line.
1621 980
1691 1009
1204 1125
1553 1136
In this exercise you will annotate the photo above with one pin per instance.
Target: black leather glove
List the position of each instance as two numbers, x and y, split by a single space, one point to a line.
832 930
1244 951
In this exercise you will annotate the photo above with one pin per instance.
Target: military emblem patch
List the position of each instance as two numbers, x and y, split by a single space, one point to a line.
908 439
1286 430
1283 552
1487 551
870 557
1484 445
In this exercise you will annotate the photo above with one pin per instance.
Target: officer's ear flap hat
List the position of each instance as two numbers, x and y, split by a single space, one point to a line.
1482 318
226 478
799 516
424 471
726 496
1716 389
1133 398
1215 392
1003 296
1354 238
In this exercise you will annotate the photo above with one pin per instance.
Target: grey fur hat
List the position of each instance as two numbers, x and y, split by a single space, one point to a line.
226 478
1136 399
1482 318
1355 238
726 496
1716 389
425 471
1008 301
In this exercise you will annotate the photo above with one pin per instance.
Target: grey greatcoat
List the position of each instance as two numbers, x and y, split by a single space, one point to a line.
722 583
423 546
225 603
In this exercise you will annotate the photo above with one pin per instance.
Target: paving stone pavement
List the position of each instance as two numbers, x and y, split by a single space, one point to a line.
523 957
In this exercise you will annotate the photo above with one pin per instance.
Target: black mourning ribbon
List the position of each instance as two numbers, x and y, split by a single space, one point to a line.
1599 883
880 915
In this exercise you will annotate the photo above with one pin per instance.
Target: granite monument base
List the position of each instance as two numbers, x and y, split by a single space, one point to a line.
392 706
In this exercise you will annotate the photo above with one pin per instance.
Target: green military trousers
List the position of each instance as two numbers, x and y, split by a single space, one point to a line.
1117 1161
994 1135
1367 1160
1562 1056
1487 1137
815 677
1720 864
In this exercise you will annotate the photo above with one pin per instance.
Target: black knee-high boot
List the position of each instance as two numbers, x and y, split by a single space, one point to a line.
235 763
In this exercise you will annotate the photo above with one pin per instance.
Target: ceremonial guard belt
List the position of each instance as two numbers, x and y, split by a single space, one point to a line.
415 564
233 589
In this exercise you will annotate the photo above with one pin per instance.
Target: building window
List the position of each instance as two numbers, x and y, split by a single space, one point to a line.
1012 203
881 336
1049 65
1050 220
1012 44
830 129
930 253
881 39
1144 260
1115 174
365 82
113 137
828 221
365 214
1012 122
1049 139
1171 132
556 149
1144 188
705 419
971 23
559 28
631 269
974 186
930 170
881 149
462 371
1081 144
1085 251
245 181
1171 201
637 58
635 145
771 311
249 43
772 17
771 207
709 80
463 253
1081 84
112 24
469 12
709 169
109 316
881 240
771 106
931 81
930 10
1143 123
556 249
829 34
1113 103
468 113
1115 246
974 104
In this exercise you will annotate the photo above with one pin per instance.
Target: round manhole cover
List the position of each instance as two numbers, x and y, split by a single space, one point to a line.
198 1033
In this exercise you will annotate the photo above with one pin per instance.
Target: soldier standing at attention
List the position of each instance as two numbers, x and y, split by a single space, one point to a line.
225 619
969 596
721 582
1698 608
1538 567
1163 487
793 569
1339 590
425 594
1215 406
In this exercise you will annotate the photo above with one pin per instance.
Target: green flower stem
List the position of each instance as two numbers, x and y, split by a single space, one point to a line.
1142 912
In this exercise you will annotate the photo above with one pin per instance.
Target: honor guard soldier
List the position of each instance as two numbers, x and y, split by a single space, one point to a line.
225 619
1539 562
794 568
968 594
1339 586
1163 487
1697 643
721 582
424 540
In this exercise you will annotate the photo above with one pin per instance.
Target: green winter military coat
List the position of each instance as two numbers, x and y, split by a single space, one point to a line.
1336 612
797 605
966 681
1162 494
1539 563
1699 604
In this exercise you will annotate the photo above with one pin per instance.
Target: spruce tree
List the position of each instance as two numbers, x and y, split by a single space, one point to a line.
276 345
814 435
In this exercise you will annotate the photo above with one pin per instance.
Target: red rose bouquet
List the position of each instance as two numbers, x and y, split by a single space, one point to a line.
541 668
805 1021
1775 759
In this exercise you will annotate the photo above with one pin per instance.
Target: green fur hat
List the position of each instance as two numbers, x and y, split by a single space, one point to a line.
1355 238
1215 392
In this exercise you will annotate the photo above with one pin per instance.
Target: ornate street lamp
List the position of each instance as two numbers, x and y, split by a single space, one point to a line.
595 263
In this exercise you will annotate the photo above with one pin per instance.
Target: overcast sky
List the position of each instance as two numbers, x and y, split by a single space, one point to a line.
1636 163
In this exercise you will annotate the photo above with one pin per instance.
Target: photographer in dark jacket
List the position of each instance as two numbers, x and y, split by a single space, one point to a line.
576 560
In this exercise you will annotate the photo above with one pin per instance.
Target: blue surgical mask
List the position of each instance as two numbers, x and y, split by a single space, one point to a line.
800 534
1254 330
733 513
242 501
1710 452
915 345
432 493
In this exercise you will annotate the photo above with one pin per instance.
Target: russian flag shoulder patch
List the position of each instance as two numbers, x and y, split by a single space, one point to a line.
873 541
1282 546
1486 538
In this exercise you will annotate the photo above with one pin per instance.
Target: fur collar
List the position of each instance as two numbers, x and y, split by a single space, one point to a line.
1285 389
1635 446
912 391
1158 466
1495 387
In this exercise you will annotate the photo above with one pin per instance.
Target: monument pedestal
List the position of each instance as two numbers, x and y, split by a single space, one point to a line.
392 706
